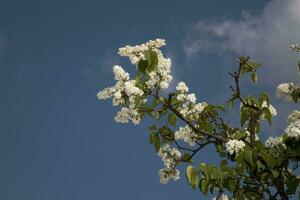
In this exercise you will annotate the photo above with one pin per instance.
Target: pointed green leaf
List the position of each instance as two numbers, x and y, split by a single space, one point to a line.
172 119
254 77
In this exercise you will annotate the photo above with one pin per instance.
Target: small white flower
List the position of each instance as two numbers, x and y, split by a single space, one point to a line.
106 93
164 85
118 95
168 173
293 117
131 89
182 87
234 146
186 134
170 157
274 142
293 130
191 98
120 74
284 91
181 97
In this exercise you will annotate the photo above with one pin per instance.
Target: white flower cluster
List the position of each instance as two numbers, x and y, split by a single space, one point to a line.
162 75
293 129
222 197
123 90
170 157
186 134
284 91
136 53
272 142
234 146
182 87
293 117
295 47
189 107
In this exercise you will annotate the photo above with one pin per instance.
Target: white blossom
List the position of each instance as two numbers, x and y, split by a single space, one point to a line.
199 107
131 89
168 173
293 130
191 98
186 134
106 93
274 142
122 116
123 94
120 74
222 197
284 91
295 47
161 76
126 114
136 53
164 85
234 146
170 157
182 87
293 117
181 97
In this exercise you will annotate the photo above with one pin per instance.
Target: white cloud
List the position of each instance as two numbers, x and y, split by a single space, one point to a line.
265 37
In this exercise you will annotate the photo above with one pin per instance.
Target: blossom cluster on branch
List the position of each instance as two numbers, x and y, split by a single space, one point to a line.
249 168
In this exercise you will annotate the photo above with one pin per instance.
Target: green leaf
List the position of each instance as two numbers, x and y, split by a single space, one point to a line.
260 165
230 185
186 158
172 119
152 59
254 77
230 104
156 142
298 70
267 114
244 116
275 173
221 107
248 154
269 158
292 185
190 174
151 138
240 135
265 97
142 66
204 186
152 127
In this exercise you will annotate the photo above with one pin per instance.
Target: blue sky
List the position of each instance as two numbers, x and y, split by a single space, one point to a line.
57 141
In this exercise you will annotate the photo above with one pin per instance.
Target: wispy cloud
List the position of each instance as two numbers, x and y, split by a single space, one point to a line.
265 37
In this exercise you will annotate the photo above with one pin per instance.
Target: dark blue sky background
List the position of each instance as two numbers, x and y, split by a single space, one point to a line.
57 141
